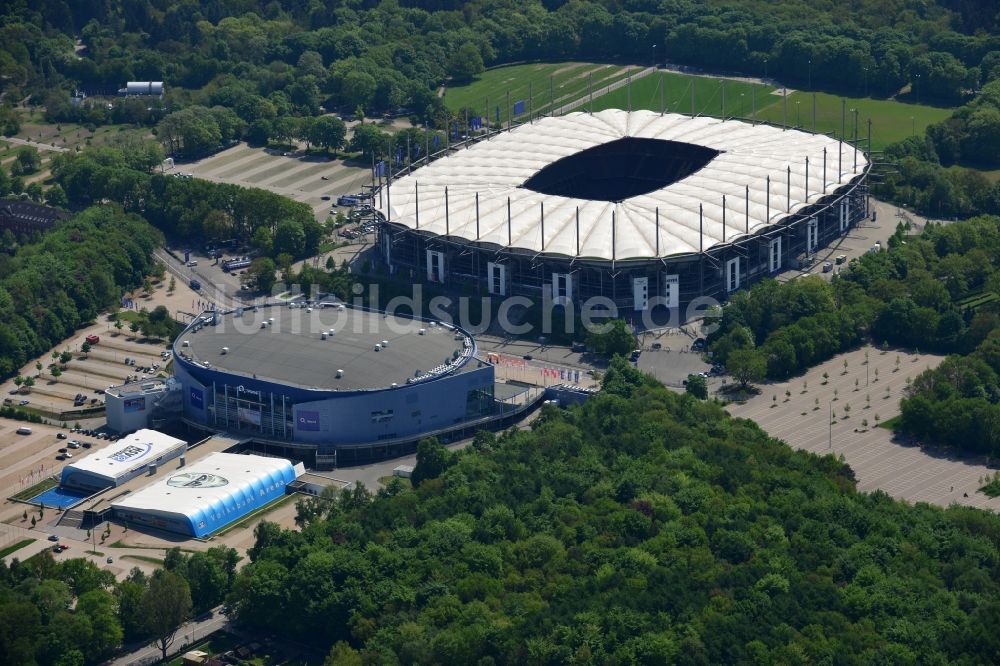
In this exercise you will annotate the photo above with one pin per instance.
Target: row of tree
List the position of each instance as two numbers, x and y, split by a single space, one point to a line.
291 60
187 208
53 286
643 527
934 292
72 613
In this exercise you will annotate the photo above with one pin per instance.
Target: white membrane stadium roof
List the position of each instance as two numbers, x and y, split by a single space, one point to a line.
496 169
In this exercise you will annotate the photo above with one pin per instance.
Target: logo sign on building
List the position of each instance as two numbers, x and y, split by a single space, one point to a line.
197 399
308 420
245 394
135 404
196 480
131 452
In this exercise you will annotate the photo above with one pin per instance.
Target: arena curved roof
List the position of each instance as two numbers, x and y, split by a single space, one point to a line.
482 194
292 345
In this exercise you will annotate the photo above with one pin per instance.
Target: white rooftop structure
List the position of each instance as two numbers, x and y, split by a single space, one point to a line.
481 180
120 461
209 494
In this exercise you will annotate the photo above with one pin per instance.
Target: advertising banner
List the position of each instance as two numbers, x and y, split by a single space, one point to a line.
135 404
248 415
197 398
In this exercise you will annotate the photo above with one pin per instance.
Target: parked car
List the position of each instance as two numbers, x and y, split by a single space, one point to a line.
61 435
53 537
23 403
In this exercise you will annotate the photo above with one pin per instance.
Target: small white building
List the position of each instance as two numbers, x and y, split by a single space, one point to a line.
144 88
403 471
122 461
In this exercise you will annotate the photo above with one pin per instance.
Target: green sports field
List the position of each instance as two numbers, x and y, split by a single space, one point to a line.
674 92
569 83
891 120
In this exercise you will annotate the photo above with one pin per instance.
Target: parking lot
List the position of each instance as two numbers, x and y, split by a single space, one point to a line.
305 178
26 460
86 375
833 409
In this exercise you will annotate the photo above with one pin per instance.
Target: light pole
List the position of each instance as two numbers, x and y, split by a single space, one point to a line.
765 69
917 76
798 117
866 81
810 73
913 127
741 106
829 442
654 56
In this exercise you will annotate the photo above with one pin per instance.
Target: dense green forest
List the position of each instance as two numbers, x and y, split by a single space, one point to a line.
51 287
937 291
644 527
266 62
187 208
72 613
245 69
932 173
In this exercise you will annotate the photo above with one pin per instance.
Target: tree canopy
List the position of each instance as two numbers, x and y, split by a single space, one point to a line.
645 526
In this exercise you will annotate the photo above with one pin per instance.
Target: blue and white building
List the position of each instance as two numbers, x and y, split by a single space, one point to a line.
121 461
329 383
208 495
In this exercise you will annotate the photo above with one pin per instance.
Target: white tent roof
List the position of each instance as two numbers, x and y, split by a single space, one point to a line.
496 169
217 477
138 449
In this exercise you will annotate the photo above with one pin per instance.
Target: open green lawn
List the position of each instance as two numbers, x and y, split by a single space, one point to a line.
676 95
36 489
14 547
891 120
570 81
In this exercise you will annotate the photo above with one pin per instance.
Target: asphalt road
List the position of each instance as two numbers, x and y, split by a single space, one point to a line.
187 635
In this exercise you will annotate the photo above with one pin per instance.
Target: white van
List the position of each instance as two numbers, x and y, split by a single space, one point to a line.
24 430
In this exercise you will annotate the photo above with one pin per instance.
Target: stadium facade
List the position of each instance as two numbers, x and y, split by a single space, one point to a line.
641 208
328 383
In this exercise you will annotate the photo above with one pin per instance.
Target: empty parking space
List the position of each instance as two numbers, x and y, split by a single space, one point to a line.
830 418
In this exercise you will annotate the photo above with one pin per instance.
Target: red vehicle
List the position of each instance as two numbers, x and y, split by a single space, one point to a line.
93 339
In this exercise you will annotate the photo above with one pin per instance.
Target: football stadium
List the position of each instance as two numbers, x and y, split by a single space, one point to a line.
331 384
645 209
